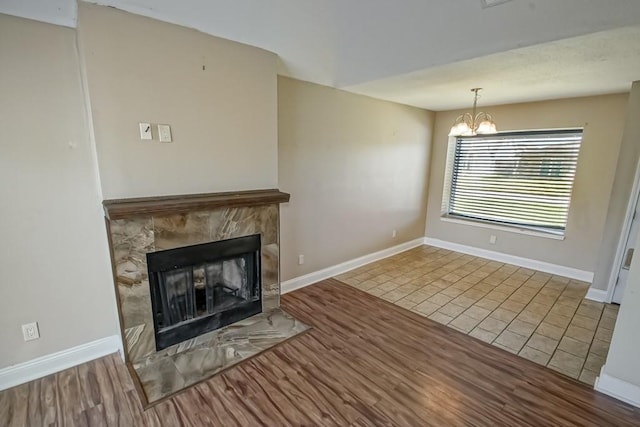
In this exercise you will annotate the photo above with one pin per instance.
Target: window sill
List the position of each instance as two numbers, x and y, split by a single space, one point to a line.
507 228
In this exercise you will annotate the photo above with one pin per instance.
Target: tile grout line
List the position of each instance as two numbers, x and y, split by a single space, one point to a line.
563 335
528 338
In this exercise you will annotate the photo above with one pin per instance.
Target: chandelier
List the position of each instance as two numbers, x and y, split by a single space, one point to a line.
473 123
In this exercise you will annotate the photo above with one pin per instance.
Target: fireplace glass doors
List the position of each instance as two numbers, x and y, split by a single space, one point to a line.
200 288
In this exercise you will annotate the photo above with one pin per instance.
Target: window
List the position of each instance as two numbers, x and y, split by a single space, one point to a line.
518 179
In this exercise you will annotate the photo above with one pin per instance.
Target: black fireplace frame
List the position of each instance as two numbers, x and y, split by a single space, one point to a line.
170 259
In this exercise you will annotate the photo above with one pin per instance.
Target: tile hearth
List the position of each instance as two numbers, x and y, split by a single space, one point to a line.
182 365
539 316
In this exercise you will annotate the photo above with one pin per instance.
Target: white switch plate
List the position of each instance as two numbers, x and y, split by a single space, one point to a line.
145 131
493 239
300 259
30 331
164 131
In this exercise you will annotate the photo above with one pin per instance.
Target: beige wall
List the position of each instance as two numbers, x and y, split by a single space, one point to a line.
603 120
621 191
223 118
356 169
54 264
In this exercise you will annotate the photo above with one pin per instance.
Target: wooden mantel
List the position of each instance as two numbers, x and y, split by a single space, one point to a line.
167 205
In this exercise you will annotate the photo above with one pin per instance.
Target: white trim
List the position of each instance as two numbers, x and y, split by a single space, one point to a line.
120 346
560 270
598 295
617 388
325 273
624 234
55 362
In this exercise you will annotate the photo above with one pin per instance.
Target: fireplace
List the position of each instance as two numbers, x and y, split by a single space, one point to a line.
200 288
197 281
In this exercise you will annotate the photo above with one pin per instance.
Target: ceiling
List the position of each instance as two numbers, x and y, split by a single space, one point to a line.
426 53
595 64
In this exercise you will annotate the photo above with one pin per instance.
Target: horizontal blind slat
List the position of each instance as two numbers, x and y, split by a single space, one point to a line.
524 179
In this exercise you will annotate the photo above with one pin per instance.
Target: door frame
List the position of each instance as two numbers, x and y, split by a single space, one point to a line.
624 234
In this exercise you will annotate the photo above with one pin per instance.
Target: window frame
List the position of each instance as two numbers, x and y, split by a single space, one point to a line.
540 231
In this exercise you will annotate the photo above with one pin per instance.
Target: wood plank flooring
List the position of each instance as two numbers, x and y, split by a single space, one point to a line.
365 363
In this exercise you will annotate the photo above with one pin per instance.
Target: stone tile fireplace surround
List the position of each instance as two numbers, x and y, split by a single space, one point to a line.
137 227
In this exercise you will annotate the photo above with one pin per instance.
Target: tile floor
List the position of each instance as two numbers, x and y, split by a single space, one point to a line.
539 316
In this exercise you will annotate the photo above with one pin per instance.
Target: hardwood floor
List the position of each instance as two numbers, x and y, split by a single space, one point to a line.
365 363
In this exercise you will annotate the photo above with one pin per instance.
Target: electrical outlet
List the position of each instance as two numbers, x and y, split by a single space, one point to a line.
300 259
493 239
164 133
30 331
394 234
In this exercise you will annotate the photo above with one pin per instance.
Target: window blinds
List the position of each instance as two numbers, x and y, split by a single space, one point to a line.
522 179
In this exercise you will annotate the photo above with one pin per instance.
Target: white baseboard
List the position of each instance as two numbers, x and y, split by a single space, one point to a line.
560 270
55 362
325 273
596 295
617 388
